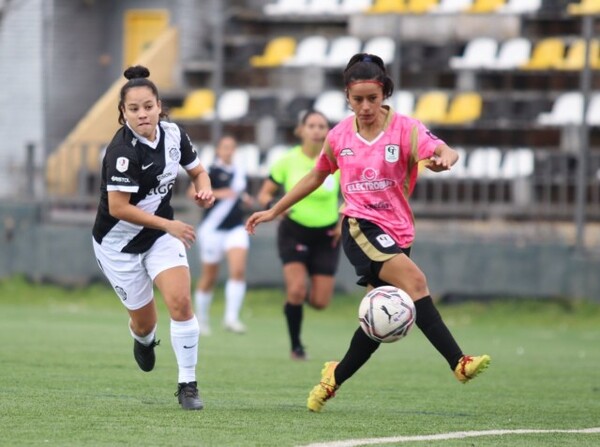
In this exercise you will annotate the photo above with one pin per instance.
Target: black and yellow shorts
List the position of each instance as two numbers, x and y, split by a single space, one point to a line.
367 247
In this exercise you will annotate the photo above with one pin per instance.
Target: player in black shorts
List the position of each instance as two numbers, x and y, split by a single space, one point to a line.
308 235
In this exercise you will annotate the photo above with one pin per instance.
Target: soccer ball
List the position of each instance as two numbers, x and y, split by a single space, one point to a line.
386 314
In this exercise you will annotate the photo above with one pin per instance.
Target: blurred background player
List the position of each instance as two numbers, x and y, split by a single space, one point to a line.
377 152
222 232
136 241
308 235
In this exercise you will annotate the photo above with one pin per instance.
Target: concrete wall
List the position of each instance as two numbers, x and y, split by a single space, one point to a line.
454 267
21 90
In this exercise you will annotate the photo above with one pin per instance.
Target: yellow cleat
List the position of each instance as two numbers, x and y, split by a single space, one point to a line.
325 390
469 367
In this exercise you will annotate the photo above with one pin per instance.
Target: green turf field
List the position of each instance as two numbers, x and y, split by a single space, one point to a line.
68 377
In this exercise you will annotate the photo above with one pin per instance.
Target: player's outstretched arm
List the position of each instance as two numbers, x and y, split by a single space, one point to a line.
443 159
304 187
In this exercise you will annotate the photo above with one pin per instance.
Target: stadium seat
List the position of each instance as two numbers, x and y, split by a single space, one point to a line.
451 6
485 6
233 104
382 46
354 6
311 50
283 7
464 108
479 53
484 163
341 50
567 109
322 7
420 6
403 102
431 107
575 57
332 103
520 7
248 156
584 7
198 104
517 163
512 54
547 54
387 6
593 111
276 52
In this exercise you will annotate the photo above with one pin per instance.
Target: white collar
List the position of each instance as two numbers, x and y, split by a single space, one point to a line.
146 141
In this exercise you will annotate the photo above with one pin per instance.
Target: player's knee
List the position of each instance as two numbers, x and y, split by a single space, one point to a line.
419 284
296 294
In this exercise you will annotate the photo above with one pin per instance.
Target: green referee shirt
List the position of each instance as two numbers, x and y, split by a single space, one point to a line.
318 209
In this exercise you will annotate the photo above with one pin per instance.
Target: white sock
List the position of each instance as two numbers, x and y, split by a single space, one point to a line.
203 301
146 340
234 297
184 339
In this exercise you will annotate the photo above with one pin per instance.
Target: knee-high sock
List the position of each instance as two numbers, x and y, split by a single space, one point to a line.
203 301
431 324
234 297
360 350
184 339
293 316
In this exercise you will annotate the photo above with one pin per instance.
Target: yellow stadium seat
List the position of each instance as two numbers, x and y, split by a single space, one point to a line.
485 6
431 107
547 54
276 52
387 6
575 58
197 104
420 6
584 7
464 108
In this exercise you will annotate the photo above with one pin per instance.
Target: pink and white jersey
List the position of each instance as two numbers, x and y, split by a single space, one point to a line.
377 177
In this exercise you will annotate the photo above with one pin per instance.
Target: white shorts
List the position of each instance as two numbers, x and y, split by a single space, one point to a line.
132 275
214 243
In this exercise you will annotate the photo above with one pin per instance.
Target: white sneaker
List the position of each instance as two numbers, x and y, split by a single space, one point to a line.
235 326
204 328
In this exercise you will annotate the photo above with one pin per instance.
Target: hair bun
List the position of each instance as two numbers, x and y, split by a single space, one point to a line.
137 71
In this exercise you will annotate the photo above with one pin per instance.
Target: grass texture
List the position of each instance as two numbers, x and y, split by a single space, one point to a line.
68 378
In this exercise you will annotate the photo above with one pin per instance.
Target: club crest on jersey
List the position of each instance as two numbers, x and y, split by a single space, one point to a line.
174 154
392 153
122 164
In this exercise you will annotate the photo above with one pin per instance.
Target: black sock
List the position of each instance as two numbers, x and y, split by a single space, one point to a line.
431 324
293 315
361 348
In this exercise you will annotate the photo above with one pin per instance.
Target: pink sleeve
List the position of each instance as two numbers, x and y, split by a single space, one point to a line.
326 160
427 142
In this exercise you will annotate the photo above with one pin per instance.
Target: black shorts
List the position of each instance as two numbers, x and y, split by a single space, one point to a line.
310 246
367 247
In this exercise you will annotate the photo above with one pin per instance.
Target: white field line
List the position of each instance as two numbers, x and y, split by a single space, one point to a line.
444 436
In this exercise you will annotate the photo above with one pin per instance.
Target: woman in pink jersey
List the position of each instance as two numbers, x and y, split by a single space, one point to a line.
377 152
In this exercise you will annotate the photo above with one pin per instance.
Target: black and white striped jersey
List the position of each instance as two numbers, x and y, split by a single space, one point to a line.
225 213
148 171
